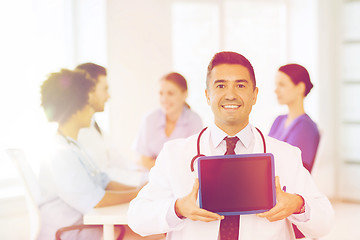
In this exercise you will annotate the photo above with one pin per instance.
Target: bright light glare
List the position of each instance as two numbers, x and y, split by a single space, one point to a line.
35 43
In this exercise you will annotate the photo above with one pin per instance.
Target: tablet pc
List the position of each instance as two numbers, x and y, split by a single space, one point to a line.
237 184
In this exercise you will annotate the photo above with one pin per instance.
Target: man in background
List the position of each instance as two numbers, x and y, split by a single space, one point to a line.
95 140
92 138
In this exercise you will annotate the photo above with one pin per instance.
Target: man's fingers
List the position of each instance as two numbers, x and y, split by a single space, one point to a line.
195 189
204 215
277 184
276 217
274 214
271 216
276 209
186 207
209 214
204 219
277 181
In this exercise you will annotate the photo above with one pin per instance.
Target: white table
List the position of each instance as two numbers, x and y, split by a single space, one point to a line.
108 217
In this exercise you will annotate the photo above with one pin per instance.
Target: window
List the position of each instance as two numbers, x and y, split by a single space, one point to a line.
256 29
195 40
41 37
36 44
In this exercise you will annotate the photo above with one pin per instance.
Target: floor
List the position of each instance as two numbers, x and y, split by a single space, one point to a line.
345 228
347 222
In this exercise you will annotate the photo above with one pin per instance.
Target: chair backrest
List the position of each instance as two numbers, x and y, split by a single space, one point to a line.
32 189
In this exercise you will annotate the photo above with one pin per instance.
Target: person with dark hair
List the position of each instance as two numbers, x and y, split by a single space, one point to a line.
71 183
169 202
98 74
64 94
173 120
296 128
94 139
94 70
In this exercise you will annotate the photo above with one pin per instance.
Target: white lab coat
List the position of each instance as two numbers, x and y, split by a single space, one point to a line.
105 155
171 178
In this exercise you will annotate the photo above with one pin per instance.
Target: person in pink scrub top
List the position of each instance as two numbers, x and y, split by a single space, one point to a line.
173 120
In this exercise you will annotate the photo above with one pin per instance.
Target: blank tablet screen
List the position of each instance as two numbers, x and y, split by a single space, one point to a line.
237 184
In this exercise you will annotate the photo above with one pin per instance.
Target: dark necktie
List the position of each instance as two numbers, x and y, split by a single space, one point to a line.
229 226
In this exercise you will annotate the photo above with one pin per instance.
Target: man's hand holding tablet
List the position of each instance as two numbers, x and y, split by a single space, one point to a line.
186 207
287 204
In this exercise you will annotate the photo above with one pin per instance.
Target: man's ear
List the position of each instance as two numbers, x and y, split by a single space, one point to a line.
256 91
91 97
207 96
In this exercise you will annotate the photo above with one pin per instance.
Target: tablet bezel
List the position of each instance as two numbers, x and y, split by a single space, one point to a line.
240 156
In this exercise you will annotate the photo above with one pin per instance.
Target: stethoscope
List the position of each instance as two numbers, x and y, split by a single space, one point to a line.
202 155
88 163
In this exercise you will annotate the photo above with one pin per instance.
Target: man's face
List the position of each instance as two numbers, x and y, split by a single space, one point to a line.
231 95
100 95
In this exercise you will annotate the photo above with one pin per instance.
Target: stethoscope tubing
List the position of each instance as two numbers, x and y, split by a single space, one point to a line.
78 150
201 155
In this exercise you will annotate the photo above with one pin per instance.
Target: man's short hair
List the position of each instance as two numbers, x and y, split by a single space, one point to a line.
64 93
92 69
230 58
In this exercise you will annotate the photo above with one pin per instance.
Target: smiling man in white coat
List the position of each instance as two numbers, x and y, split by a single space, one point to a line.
169 202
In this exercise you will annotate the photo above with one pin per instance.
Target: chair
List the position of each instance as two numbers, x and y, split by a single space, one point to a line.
33 196
32 190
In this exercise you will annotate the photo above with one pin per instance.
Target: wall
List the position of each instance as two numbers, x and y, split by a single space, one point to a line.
134 67
133 26
325 172
311 30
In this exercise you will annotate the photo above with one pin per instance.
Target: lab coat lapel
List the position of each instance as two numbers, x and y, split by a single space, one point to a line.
205 143
199 230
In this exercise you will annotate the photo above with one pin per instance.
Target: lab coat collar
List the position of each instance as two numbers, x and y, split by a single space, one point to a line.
207 143
207 148
218 135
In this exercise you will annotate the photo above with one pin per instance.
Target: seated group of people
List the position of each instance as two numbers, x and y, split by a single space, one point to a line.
73 176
